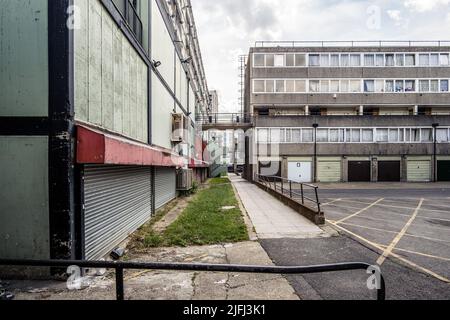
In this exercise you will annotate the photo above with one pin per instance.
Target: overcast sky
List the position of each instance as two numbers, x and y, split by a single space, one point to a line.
227 28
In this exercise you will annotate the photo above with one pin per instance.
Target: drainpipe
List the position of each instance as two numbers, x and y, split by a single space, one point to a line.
435 126
315 126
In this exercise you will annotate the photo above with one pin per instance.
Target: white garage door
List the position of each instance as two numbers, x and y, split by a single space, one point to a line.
300 171
329 171
419 171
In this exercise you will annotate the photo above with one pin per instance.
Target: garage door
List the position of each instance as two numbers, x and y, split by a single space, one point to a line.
443 170
419 171
300 171
117 202
389 171
359 171
165 186
329 171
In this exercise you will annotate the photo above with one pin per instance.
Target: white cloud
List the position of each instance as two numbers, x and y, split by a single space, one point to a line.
398 19
425 5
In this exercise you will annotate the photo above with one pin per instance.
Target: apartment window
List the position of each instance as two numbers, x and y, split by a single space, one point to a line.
393 135
279 86
399 86
379 61
290 86
270 87
307 135
379 85
444 59
382 135
401 136
444 85
345 85
295 135
389 86
300 60
407 135
390 61
324 86
424 85
369 86
356 135
427 135
263 135
410 60
434 85
314 86
355 60
442 135
334 86
367 135
300 86
337 135
279 60
314 60
259 60
270 60
410 86
259 86
369 60
322 135
415 135
355 86
400 60
345 60
275 135
424 59
334 60
434 60
324 60
290 60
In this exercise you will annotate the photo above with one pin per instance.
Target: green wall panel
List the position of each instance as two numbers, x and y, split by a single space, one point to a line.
23 58
24 218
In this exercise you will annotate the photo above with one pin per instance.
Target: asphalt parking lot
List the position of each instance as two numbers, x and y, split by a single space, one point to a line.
403 228
410 225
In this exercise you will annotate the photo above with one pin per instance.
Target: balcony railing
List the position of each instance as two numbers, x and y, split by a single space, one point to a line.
355 44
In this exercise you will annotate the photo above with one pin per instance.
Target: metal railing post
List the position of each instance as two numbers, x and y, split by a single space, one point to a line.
290 188
303 195
119 284
317 199
282 186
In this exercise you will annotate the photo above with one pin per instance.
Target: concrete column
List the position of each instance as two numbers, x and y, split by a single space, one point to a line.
374 170
361 110
345 169
284 167
306 110
416 110
404 169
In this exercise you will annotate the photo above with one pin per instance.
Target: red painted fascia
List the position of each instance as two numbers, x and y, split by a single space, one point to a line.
96 147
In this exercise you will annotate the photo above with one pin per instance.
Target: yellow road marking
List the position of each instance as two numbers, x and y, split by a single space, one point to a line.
328 203
419 253
425 270
360 211
400 235
396 207
395 232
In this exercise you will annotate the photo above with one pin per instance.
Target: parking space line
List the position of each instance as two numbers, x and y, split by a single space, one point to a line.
328 203
419 253
375 245
395 232
400 235
344 206
360 211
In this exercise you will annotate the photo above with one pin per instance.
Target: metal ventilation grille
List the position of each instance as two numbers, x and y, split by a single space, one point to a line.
165 186
117 203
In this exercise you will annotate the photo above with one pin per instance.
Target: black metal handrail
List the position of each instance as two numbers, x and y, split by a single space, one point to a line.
119 267
292 189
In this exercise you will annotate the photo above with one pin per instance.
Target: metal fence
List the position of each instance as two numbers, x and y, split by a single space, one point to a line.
369 43
119 268
306 194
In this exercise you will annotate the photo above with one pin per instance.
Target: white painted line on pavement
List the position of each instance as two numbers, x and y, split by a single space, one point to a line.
360 211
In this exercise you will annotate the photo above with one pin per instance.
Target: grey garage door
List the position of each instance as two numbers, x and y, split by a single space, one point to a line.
117 202
165 186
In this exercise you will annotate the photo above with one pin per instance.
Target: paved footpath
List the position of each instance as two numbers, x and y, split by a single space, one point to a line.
271 218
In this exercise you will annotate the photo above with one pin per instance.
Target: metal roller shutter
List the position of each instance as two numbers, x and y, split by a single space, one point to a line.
419 171
443 169
117 202
359 171
165 186
300 171
329 171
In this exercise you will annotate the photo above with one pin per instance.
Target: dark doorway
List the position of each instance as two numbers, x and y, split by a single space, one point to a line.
359 171
389 171
443 170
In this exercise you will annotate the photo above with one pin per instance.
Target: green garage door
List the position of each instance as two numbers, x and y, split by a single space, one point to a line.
419 171
329 171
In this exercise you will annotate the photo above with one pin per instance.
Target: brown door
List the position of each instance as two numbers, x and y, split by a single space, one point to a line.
359 171
389 171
